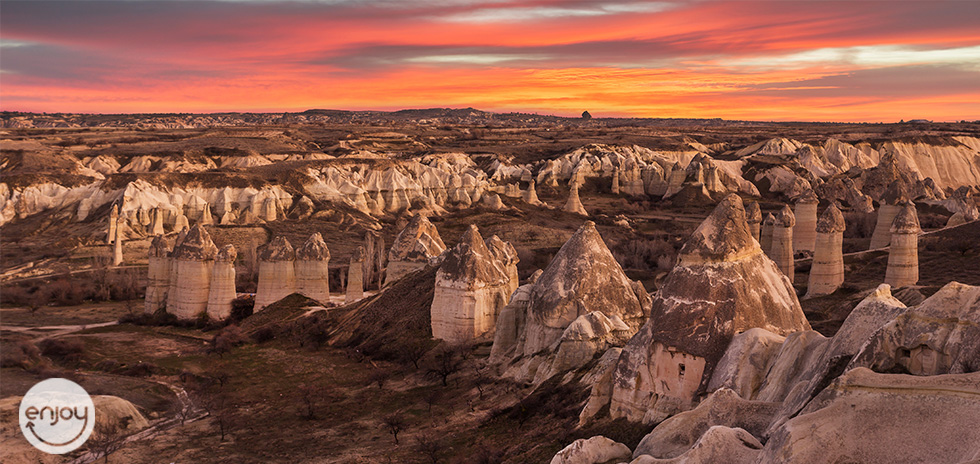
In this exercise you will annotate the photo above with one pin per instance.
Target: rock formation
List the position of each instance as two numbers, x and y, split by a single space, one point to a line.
206 218
472 287
594 450
312 270
782 242
827 270
903 254
615 182
890 205
531 195
414 248
753 216
158 275
576 309
156 222
113 222
193 258
374 258
506 254
355 276
117 248
574 205
804 233
277 273
694 318
766 234
222 290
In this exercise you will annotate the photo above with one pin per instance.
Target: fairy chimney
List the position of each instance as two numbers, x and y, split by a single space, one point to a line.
193 258
158 275
277 272
113 222
574 205
470 291
782 242
891 201
117 250
903 257
615 182
506 254
156 222
312 271
827 270
753 216
531 195
765 240
355 276
413 248
805 231
222 290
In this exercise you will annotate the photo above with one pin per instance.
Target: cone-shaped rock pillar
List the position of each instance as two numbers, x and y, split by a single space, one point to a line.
574 204
277 272
805 231
312 269
206 218
222 290
782 242
753 216
615 182
891 201
158 275
355 276
192 259
903 253
413 248
506 254
470 291
827 270
693 319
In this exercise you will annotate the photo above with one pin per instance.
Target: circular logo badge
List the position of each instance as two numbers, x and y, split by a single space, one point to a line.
57 416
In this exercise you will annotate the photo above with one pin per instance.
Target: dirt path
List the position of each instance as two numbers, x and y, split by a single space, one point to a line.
52 331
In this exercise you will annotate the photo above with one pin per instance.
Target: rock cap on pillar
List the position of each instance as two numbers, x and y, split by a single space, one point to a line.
314 249
279 249
196 245
906 221
831 220
786 217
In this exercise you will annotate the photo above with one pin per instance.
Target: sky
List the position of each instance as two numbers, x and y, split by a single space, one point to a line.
770 60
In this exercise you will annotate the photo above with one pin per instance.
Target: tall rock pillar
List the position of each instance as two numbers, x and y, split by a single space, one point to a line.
753 216
765 240
277 274
355 276
903 254
782 242
312 269
805 232
193 260
827 270
891 202
574 205
158 275
222 284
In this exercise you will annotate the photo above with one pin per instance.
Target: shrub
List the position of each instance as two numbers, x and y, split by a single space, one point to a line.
23 354
229 337
65 350
242 307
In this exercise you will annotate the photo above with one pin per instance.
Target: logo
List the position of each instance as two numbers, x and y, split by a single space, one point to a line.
57 416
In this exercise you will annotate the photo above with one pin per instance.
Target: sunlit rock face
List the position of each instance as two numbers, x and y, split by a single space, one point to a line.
472 287
827 271
158 275
355 276
193 258
941 335
903 252
891 202
574 204
722 285
805 230
277 273
581 278
413 248
222 290
312 271
782 242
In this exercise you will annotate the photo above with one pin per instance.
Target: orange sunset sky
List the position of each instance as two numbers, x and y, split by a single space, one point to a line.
774 60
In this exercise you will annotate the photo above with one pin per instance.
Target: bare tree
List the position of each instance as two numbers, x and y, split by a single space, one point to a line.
180 409
432 397
429 446
379 377
108 437
445 362
414 350
395 423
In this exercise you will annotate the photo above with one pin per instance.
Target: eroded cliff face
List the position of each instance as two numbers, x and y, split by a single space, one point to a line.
413 248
